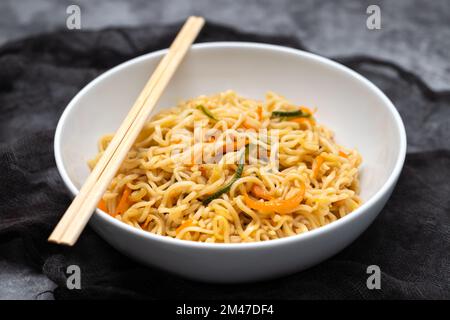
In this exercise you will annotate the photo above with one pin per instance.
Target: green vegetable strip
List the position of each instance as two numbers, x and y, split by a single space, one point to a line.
206 112
227 187
290 114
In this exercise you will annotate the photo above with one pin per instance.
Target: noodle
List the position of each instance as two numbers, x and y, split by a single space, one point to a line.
224 168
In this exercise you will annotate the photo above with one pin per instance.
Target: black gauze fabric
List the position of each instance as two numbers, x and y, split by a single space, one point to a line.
409 241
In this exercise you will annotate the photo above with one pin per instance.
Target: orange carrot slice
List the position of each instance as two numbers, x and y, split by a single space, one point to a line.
304 120
124 203
102 205
280 206
184 225
260 113
343 154
319 161
260 192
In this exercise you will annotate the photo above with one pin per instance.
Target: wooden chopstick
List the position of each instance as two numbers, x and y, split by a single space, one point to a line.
77 215
120 134
103 182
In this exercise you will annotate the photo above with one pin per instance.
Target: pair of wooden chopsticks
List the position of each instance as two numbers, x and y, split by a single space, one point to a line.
77 215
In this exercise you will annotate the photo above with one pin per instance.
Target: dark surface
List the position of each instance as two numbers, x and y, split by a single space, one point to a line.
409 241
414 35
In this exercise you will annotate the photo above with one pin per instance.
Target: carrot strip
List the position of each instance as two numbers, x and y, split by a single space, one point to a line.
246 125
306 110
260 113
147 221
230 147
318 163
124 204
280 206
343 154
192 163
102 205
260 192
234 145
203 171
184 225
304 120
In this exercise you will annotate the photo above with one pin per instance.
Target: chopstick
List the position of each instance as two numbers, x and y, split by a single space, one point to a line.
118 137
77 215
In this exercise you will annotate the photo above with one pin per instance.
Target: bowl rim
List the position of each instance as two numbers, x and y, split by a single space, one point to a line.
379 194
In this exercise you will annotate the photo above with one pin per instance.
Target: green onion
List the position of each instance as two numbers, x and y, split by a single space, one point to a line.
206 112
290 114
227 187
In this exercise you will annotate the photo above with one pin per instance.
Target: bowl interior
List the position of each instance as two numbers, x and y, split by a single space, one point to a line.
359 114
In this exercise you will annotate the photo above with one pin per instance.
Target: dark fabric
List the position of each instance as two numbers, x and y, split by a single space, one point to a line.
409 241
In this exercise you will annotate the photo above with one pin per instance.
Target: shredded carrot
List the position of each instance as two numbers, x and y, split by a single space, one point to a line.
192 163
260 113
102 205
304 120
260 192
124 203
263 152
203 170
147 221
343 154
184 225
247 125
230 147
280 206
316 166
306 110
235 145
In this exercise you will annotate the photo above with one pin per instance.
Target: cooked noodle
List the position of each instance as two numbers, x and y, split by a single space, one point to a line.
298 179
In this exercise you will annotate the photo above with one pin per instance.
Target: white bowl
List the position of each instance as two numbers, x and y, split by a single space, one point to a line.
359 113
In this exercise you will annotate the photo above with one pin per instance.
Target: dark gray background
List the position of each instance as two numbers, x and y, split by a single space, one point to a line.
414 34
